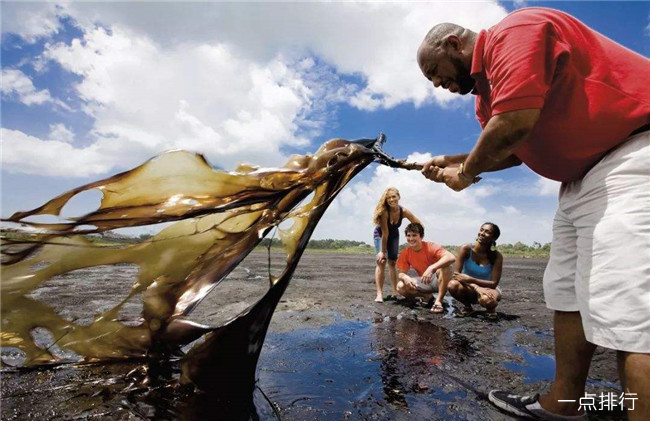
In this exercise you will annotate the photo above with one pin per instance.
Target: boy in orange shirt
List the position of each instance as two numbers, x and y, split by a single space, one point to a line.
431 262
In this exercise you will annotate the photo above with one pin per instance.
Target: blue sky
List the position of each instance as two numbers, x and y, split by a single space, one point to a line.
91 89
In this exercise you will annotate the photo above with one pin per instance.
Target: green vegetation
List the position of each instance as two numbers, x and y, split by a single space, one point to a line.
329 245
518 249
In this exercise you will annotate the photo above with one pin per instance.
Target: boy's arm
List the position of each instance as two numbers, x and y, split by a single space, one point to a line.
402 276
447 259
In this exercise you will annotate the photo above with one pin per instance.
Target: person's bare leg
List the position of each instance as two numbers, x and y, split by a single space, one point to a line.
411 292
462 293
572 359
392 273
380 270
444 277
634 371
404 290
487 301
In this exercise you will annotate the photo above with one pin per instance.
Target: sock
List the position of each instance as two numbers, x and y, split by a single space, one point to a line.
543 414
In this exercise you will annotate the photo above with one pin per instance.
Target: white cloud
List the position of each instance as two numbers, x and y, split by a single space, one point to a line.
547 187
236 81
146 99
61 133
449 217
520 3
242 82
375 41
31 20
511 210
28 154
16 84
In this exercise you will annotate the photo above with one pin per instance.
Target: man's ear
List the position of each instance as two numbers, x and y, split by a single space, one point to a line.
454 43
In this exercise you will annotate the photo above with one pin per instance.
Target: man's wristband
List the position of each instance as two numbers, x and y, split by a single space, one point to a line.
465 177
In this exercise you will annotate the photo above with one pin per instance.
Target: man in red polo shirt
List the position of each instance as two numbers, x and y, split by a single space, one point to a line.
575 107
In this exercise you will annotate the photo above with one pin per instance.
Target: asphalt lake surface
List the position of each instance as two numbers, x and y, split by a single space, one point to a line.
331 352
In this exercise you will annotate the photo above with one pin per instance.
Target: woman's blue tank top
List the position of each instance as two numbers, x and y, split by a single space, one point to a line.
473 269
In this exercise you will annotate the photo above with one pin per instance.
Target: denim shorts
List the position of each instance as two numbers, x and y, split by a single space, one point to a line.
392 248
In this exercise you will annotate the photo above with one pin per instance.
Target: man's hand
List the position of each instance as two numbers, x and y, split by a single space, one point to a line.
381 257
410 282
447 175
432 169
437 161
427 275
432 172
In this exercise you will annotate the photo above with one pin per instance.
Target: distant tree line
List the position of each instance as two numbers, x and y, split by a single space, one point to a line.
328 244
517 249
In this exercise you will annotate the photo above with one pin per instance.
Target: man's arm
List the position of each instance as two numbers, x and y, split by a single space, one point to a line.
444 161
502 135
493 150
402 276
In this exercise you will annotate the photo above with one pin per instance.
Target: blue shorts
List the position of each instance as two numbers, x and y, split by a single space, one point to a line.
392 248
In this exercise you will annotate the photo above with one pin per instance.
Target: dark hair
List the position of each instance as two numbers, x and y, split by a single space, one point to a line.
415 227
492 254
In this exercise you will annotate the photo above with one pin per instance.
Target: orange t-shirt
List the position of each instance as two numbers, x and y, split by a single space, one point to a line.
429 254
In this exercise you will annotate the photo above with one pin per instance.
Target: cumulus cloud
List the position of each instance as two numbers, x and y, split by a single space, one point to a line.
145 99
447 215
547 187
15 84
511 210
31 20
61 133
234 81
243 82
375 41
28 154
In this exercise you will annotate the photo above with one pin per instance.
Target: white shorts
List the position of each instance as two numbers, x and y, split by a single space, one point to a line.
427 288
600 254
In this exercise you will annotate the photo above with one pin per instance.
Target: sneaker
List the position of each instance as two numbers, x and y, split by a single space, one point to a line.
528 407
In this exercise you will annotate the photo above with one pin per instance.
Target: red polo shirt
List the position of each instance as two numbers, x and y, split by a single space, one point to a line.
592 92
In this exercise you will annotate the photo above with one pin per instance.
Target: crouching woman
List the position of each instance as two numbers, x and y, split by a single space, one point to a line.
477 272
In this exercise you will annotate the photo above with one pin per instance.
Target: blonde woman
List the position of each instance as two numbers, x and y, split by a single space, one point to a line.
387 218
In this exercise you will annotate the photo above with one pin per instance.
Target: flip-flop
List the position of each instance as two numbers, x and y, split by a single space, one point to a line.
390 297
491 316
437 309
465 312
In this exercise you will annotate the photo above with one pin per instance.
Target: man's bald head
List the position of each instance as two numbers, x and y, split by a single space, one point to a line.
438 33
445 57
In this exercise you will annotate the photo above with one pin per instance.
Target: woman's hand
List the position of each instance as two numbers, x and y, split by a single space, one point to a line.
460 277
381 257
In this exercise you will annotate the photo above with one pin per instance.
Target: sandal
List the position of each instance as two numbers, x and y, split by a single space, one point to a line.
465 312
437 309
491 316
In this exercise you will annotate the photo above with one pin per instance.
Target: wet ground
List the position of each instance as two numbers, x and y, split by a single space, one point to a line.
331 352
